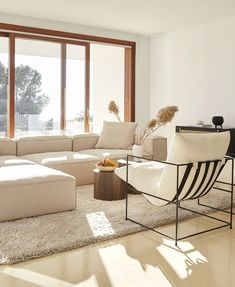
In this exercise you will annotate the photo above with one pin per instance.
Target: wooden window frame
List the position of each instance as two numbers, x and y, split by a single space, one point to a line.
17 31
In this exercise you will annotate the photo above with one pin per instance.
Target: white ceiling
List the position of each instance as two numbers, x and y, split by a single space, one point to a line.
137 16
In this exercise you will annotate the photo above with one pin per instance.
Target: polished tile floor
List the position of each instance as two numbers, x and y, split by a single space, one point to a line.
142 259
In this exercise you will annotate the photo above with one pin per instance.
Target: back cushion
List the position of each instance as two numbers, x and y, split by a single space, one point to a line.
7 146
85 141
40 144
187 148
117 135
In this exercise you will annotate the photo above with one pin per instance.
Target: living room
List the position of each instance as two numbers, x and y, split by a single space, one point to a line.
72 75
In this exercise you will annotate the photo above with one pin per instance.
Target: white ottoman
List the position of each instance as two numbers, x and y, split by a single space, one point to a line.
28 189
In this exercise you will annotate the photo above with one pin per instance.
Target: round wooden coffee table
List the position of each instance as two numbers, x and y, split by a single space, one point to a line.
108 186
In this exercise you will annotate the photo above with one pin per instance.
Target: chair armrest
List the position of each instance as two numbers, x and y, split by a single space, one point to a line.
85 141
157 147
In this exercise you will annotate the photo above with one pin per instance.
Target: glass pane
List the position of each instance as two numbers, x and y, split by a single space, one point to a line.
107 83
4 42
38 87
75 88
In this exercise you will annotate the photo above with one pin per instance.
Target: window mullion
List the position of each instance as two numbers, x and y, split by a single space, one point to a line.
63 87
11 87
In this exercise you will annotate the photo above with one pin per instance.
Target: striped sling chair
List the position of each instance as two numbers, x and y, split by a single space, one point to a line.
193 165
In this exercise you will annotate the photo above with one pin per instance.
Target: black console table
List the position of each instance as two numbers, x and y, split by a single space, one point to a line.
231 148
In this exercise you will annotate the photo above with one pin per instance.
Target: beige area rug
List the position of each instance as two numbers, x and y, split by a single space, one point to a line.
93 221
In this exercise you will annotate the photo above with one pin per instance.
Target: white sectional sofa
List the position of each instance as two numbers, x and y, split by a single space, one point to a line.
38 175
77 155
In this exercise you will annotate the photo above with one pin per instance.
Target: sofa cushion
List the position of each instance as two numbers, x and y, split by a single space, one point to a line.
28 173
143 176
31 189
41 144
63 157
9 160
84 141
117 135
110 153
77 164
7 146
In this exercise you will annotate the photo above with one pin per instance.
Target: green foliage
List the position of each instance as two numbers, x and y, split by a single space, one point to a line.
3 88
29 97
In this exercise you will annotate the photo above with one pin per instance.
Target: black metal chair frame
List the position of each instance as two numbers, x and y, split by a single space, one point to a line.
177 201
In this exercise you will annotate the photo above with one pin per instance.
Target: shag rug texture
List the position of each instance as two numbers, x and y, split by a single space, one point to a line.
92 221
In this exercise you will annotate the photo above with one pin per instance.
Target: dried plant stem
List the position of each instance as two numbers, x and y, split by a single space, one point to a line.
117 116
147 134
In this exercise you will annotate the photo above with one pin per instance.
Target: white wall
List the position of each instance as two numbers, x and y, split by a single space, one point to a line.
194 68
142 53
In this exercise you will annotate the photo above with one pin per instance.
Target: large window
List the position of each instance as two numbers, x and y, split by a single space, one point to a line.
37 86
55 82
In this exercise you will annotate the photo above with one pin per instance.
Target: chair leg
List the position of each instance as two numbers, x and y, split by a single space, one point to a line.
176 222
126 200
126 207
231 209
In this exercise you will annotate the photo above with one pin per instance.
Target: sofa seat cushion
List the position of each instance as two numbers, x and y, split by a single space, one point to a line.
143 176
29 173
31 189
110 153
8 160
79 165
63 157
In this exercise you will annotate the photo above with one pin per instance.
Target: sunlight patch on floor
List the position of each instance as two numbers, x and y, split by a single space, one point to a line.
45 280
182 259
99 224
126 271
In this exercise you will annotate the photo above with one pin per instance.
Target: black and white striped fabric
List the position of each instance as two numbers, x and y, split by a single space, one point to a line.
204 155
198 179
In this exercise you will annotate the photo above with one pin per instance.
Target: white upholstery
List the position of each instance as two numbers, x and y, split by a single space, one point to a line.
40 144
117 135
110 153
85 141
30 189
9 160
143 176
40 182
185 148
79 165
7 146
65 157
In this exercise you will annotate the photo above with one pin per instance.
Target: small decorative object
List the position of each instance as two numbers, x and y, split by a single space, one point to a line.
107 165
138 150
218 121
163 117
200 122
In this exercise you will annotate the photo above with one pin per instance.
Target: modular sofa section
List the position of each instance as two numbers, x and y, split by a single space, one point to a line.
74 163
29 189
41 144
7 146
